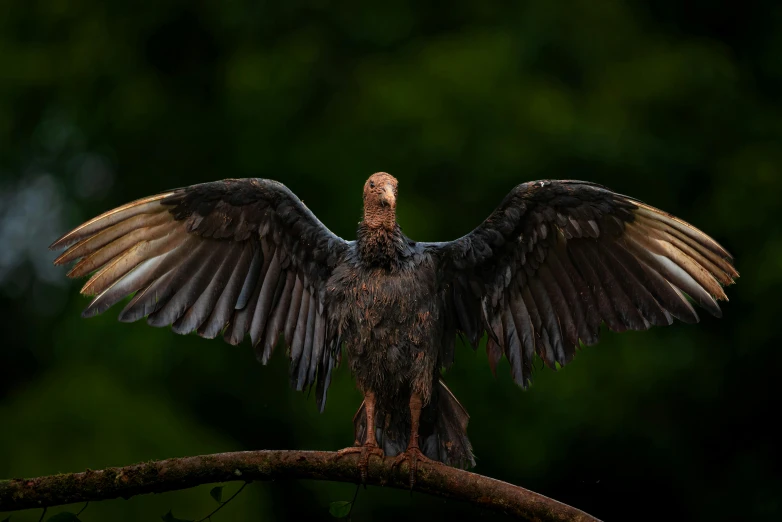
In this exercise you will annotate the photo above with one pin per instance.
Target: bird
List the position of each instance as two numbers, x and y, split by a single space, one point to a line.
551 264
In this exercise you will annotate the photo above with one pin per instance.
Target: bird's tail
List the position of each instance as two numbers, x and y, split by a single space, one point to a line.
442 432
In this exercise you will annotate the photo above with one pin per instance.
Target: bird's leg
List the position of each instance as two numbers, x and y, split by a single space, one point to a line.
370 446
413 454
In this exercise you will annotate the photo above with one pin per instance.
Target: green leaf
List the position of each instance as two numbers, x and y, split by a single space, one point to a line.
340 509
169 517
7 519
65 516
217 494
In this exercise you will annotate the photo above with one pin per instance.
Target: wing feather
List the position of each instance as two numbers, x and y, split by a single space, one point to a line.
169 275
292 316
270 282
236 256
309 341
276 323
300 333
226 304
521 363
184 292
200 311
150 205
318 345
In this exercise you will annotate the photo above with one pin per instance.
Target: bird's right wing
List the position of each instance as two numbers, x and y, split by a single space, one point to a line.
236 256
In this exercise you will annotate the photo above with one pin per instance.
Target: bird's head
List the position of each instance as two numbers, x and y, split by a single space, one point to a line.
380 200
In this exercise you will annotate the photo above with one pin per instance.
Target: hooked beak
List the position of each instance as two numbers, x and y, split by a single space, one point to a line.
387 198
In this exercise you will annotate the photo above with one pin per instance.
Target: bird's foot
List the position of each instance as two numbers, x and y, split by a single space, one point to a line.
364 452
414 456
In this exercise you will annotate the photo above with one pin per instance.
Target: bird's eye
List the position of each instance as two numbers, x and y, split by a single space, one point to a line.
371 184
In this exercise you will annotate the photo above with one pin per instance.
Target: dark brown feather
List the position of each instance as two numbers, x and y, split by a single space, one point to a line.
276 324
270 282
225 305
173 271
199 312
186 290
292 316
309 340
300 331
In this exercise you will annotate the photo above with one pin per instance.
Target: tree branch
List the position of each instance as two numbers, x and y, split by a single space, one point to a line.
187 472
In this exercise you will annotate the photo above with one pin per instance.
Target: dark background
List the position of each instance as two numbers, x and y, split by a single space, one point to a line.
676 103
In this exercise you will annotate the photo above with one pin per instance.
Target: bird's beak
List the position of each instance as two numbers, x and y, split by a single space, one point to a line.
387 198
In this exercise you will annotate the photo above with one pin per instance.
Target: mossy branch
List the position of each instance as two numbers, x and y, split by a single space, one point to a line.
187 472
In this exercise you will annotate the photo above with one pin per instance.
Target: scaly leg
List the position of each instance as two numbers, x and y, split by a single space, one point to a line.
413 454
370 446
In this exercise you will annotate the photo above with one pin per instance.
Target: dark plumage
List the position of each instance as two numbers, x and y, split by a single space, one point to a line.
547 267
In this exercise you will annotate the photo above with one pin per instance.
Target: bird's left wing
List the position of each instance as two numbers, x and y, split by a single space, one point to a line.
236 256
557 258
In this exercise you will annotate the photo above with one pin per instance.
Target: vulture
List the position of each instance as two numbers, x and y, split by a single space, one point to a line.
243 257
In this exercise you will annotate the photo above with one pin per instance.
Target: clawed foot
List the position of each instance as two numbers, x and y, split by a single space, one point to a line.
364 452
414 455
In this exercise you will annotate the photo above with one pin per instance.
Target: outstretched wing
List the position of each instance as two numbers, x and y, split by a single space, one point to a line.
236 256
557 258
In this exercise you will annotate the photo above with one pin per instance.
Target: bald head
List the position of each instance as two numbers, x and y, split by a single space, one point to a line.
380 200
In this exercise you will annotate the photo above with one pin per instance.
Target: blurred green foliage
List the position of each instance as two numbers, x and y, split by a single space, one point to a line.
676 103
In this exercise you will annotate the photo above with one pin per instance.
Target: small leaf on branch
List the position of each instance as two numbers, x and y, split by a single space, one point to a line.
169 517
217 494
65 516
340 509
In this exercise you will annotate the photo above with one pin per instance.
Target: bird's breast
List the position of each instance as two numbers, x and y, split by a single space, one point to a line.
376 306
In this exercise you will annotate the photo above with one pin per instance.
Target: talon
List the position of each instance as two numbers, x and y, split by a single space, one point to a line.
364 452
414 455
346 451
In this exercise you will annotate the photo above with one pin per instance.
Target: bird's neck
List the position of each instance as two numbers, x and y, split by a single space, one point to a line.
379 216
380 246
